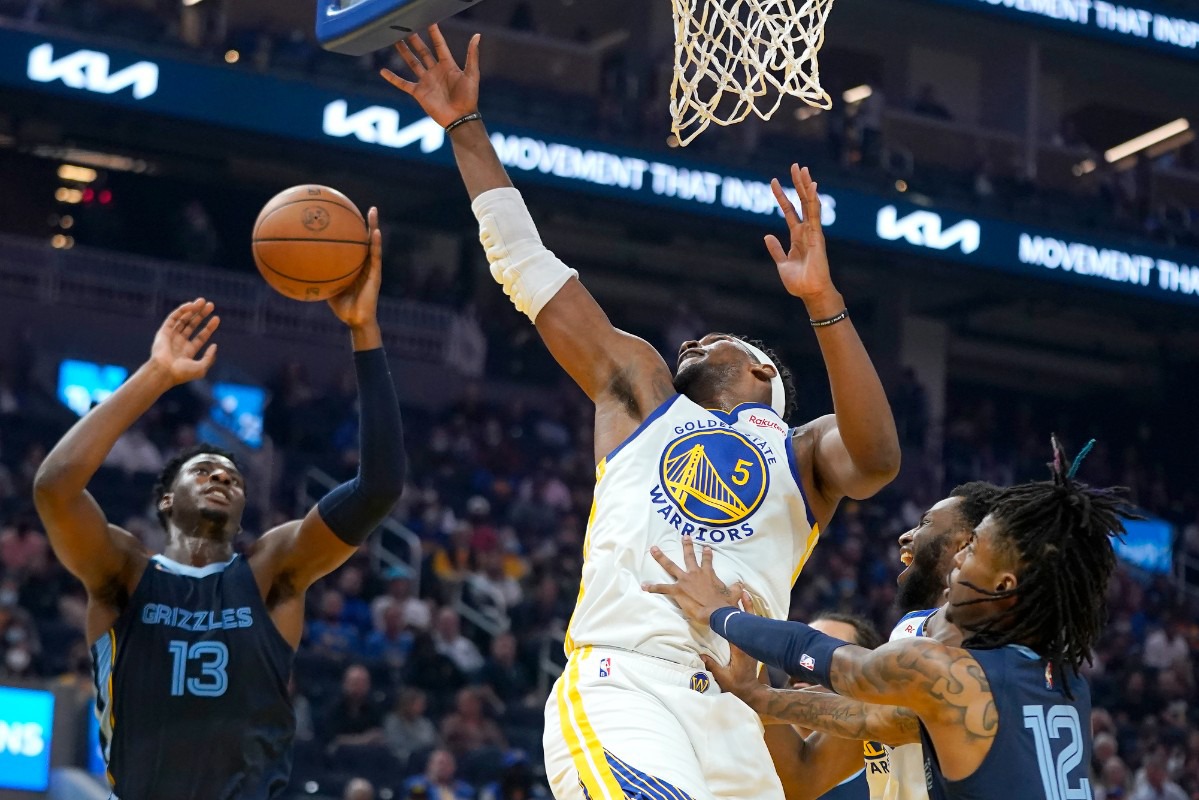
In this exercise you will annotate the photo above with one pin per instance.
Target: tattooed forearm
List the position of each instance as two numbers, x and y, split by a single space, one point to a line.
938 682
838 716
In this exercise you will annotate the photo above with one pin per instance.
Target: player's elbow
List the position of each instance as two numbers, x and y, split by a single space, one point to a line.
873 475
50 482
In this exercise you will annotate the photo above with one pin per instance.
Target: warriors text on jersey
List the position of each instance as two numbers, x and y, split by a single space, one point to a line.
192 688
1043 748
728 480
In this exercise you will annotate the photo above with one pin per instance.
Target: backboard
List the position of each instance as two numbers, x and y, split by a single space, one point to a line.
358 27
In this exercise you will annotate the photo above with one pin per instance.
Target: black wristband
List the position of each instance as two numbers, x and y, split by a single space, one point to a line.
824 323
474 115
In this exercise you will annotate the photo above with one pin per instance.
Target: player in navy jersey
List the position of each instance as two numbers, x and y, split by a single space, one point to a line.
1006 715
193 647
834 750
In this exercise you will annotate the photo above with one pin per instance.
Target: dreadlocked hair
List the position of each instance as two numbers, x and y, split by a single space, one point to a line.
784 373
170 471
1058 533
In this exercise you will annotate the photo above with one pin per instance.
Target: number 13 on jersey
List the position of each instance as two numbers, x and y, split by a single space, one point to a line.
212 657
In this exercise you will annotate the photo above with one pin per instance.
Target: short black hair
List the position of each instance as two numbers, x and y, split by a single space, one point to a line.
1060 533
866 635
789 399
166 478
978 497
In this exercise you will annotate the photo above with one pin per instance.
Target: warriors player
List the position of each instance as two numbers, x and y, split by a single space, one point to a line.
704 453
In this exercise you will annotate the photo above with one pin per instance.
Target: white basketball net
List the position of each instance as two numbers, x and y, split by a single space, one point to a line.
734 57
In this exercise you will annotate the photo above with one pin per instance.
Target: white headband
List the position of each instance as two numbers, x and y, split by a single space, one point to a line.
778 394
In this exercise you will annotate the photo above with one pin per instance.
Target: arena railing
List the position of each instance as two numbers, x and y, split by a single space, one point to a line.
393 545
84 277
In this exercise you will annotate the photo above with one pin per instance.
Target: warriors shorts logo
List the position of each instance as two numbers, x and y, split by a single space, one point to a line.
700 682
715 477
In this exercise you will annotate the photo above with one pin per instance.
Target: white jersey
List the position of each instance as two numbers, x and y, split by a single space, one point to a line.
727 479
904 777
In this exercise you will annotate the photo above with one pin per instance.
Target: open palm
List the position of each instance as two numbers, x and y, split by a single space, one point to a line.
804 267
446 92
181 337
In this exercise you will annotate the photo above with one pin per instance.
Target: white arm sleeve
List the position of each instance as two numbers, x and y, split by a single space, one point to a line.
530 274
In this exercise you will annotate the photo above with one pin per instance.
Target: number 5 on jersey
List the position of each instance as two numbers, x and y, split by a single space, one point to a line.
212 657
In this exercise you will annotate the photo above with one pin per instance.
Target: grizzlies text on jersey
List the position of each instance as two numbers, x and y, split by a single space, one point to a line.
192 688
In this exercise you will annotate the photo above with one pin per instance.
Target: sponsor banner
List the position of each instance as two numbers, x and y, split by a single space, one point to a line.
26 725
1140 24
390 125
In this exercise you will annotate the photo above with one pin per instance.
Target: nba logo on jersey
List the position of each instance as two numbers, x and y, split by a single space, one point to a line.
807 662
605 667
1049 675
700 682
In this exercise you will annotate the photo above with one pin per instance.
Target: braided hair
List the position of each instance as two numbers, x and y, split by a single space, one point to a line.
1059 533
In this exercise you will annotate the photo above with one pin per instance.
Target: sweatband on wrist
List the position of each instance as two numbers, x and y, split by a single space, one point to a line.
355 508
530 274
794 647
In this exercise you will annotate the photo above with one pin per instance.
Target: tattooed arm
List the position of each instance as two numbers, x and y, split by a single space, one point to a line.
837 716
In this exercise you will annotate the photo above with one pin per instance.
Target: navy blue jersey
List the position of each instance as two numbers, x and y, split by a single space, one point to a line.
854 787
1043 748
191 688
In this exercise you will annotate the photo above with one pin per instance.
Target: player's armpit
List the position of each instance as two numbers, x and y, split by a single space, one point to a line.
944 686
100 555
838 716
606 363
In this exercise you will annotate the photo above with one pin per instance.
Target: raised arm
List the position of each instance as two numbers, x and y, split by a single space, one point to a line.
611 366
290 558
97 553
853 452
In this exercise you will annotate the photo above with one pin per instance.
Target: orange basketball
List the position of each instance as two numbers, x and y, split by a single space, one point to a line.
310 242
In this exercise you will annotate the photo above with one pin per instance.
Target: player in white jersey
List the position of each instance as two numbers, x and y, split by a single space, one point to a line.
705 452
927 552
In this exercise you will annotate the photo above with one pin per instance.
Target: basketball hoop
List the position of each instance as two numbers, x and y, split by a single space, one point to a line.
737 57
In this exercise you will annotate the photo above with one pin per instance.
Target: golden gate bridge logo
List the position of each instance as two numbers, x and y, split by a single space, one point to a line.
715 477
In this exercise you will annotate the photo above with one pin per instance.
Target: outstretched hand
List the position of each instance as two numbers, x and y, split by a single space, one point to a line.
445 91
181 337
357 306
804 267
697 590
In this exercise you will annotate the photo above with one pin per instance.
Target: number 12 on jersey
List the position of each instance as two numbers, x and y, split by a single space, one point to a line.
1053 722
212 657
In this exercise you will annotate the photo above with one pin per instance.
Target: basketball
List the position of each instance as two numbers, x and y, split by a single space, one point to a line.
310 242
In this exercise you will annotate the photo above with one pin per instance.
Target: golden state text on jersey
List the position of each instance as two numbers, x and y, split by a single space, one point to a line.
711 480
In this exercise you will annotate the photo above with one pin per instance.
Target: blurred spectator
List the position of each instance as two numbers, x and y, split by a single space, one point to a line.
134 452
448 638
1156 784
305 728
407 728
468 728
1114 782
329 635
438 781
355 718
515 783
928 104
355 611
391 644
428 669
359 789
414 612
506 677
